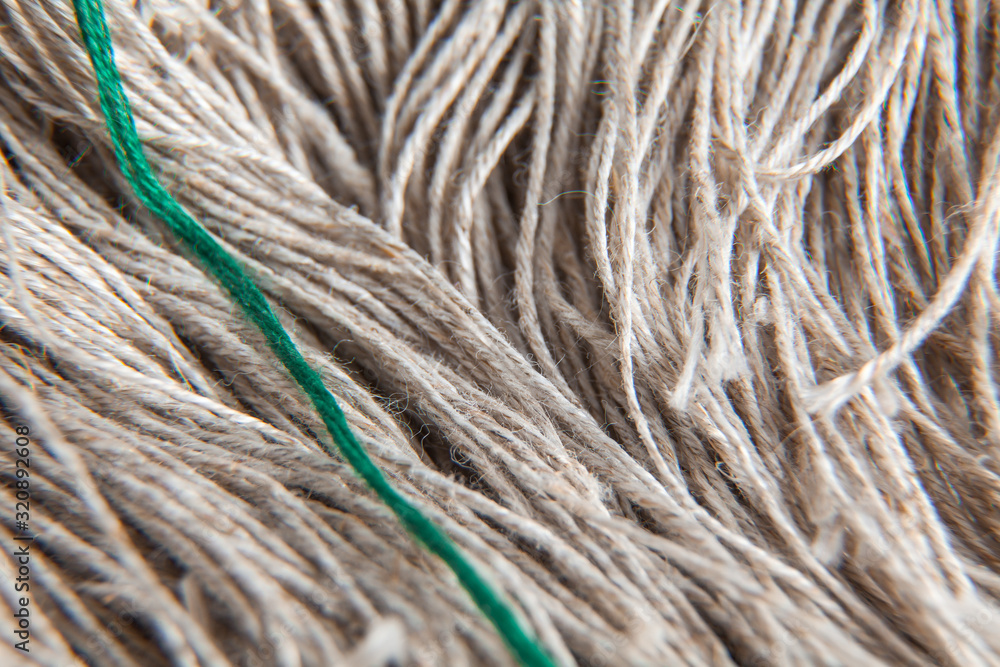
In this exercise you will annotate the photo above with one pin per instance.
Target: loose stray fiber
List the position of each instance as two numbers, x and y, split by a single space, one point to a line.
128 149
678 318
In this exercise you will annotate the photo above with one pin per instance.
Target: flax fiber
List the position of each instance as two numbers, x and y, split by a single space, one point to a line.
680 318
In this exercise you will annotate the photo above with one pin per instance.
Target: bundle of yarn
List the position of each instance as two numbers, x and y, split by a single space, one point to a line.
680 318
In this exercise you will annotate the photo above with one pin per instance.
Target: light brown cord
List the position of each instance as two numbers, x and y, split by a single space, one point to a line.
679 317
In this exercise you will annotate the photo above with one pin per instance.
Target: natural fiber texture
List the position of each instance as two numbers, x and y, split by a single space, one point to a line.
679 318
132 160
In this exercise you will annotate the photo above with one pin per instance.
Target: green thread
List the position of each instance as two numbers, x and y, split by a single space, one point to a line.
128 149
